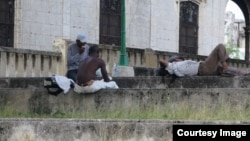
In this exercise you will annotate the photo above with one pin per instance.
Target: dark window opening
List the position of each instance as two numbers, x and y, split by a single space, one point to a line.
110 22
7 23
188 34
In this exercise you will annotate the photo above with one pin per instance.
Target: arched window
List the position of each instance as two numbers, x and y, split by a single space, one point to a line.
6 23
110 22
188 33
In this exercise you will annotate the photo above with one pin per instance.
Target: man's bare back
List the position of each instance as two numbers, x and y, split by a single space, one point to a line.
89 66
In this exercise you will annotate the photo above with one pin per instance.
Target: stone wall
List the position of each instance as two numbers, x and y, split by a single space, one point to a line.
150 24
37 100
29 63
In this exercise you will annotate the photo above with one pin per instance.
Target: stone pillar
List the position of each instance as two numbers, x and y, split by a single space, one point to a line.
60 45
46 67
3 64
20 64
29 65
247 32
37 67
12 65
150 59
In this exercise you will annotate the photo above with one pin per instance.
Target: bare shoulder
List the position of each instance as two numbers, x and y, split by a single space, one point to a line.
100 61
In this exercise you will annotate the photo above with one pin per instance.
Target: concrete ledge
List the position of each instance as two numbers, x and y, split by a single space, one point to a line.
185 82
38 100
21 82
145 82
142 71
93 130
125 71
29 51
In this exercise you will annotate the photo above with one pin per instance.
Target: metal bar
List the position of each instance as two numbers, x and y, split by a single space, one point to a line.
123 55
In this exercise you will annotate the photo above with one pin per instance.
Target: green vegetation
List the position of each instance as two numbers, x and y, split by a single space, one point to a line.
233 50
180 111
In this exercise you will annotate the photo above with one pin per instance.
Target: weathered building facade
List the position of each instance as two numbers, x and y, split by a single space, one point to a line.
193 27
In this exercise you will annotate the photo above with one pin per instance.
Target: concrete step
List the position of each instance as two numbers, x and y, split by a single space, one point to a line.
38 100
99 129
146 82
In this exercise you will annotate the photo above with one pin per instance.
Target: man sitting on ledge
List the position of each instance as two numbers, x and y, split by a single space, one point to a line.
87 82
214 64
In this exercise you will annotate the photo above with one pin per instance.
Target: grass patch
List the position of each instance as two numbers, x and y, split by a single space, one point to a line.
177 111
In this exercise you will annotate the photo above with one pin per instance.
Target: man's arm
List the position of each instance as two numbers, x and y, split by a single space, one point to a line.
72 58
85 54
104 71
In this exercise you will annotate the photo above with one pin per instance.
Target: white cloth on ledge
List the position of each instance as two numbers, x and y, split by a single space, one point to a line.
96 86
63 82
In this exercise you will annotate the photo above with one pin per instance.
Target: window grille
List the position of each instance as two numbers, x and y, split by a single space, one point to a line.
188 34
110 22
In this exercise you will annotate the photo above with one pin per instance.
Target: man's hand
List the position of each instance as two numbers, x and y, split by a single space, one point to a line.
81 50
